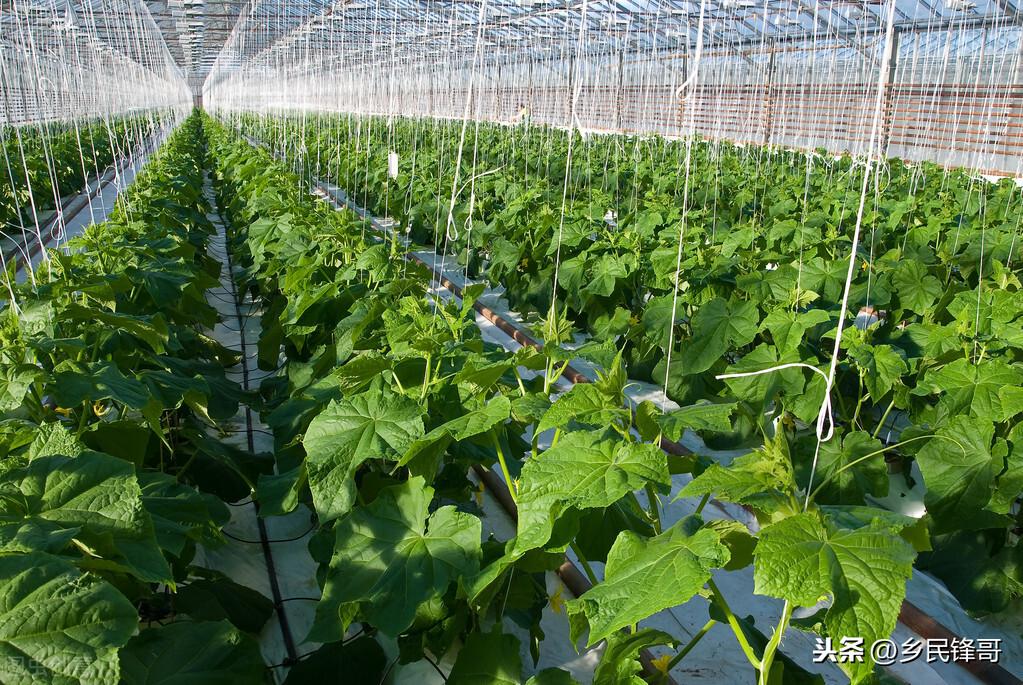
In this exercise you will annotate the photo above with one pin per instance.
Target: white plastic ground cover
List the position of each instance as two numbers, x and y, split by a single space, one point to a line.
922 590
244 562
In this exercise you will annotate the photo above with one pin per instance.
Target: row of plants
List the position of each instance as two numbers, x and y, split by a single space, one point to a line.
113 474
929 376
44 163
384 400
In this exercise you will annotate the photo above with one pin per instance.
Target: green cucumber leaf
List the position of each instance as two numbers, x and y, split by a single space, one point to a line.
187 653
279 493
423 456
59 626
218 599
841 481
913 530
717 327
959 471
180 512
619 664
35 536
917 290
647 421
151 330
762 480
584 470
883 367
99 496
99 381
977 567
392 555
372 425
707 416
53 438
585 403
645 576
605 270
125 439
15 380
760 390
863 572
488 659
552 676
1009 481
736 537
787 327
991 390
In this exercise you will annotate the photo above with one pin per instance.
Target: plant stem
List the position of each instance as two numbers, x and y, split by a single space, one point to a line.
84 420
654 504
695 640
703 503
585 564
719 599
426 380
854 462
401 388
884 417
518 379
772 645
512 488
859 403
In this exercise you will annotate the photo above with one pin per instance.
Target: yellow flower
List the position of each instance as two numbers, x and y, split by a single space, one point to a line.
479 495
661 663
557 601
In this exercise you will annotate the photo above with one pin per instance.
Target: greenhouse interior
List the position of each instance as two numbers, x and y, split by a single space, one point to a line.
511 342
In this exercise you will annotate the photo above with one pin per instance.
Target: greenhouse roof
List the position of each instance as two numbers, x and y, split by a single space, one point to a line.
196 31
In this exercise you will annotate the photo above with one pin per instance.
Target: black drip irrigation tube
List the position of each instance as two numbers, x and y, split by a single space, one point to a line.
264 539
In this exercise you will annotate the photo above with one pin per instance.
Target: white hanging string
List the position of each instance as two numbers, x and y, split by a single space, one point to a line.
825 425
676 283
573 120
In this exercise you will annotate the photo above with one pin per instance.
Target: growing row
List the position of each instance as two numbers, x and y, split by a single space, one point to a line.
41 165
386 399
729 259
111 475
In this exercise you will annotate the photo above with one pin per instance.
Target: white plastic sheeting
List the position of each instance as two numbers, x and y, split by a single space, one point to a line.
243 558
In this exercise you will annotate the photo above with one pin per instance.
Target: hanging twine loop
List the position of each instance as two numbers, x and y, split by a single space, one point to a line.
824 416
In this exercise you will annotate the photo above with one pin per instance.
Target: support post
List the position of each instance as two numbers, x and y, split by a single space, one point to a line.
887 113
682 79
620 94
1019 63
769 100
571 90
529 86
